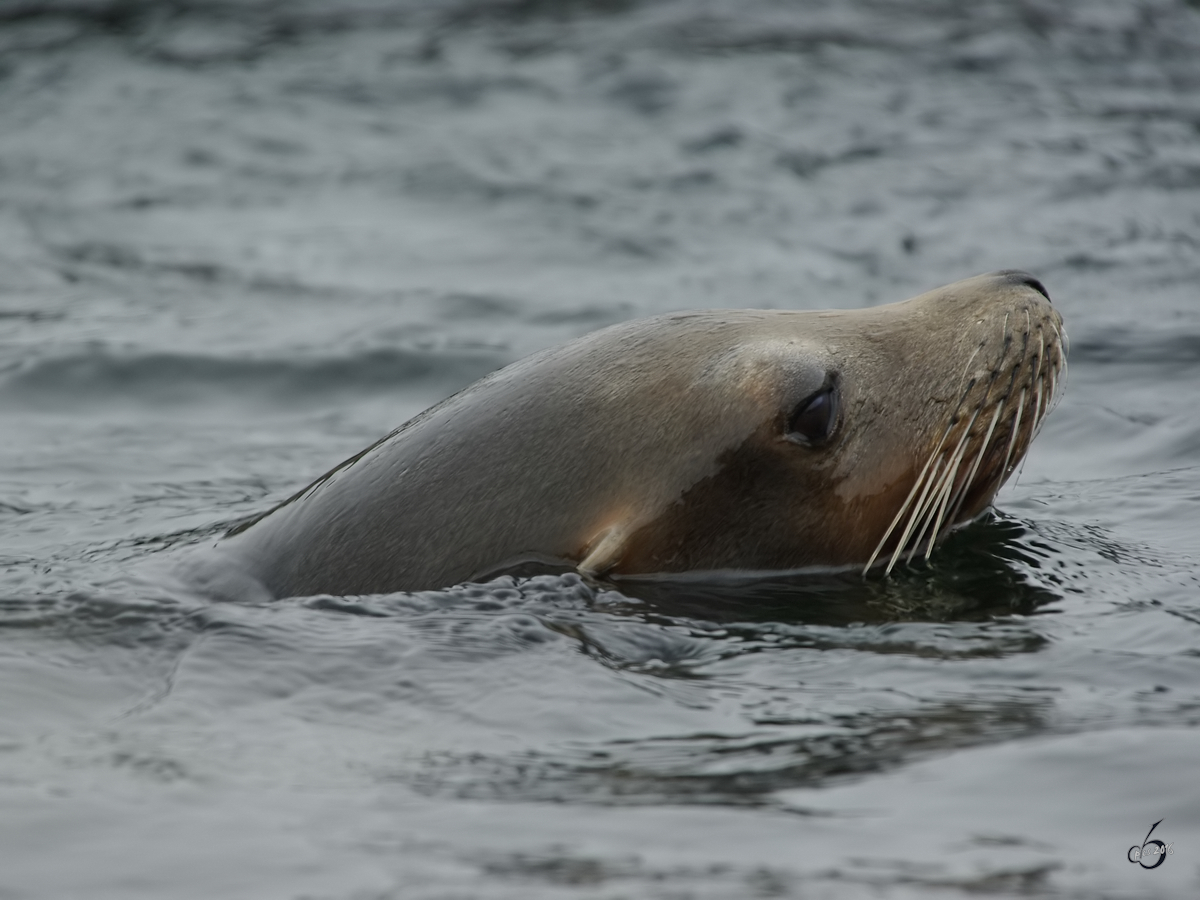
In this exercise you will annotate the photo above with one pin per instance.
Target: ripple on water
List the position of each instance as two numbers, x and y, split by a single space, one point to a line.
239 242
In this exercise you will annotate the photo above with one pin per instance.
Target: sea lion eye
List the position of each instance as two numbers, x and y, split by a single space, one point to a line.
814 418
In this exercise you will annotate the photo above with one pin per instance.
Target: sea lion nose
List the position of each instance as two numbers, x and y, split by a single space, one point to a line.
1016 276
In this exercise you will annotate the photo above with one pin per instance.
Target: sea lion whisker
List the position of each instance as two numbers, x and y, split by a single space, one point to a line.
1035 426
952 487
1058 376
1012 441
938 507
1034 379
908 511
1012 379
1036 373
905 505
929 515
1060 357
951 480
1020 469
900 514
926 510
965 484
1024 357
983 449
911 538
966 371
1039 413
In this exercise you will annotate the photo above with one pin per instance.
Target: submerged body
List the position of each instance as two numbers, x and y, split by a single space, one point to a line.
737 439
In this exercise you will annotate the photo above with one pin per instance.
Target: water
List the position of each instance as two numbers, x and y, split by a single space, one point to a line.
238 242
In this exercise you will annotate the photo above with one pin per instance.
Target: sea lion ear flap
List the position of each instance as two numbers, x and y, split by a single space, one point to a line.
605 550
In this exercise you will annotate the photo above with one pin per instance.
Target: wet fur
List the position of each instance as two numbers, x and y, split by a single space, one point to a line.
656 446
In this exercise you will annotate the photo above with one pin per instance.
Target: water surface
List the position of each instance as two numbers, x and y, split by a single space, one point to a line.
239 242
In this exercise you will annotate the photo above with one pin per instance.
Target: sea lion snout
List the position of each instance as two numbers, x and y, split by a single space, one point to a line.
997 352
1019 277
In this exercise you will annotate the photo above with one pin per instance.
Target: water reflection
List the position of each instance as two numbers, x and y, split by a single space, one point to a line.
981 572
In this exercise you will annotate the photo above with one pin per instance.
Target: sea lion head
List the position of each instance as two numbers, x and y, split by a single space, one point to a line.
713 440
866 435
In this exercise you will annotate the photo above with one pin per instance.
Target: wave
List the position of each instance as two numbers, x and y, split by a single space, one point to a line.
101 376
1128 347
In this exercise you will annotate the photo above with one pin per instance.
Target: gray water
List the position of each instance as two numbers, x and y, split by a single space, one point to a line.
239 242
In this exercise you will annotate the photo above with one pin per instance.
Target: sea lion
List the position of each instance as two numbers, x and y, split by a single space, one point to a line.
733 439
